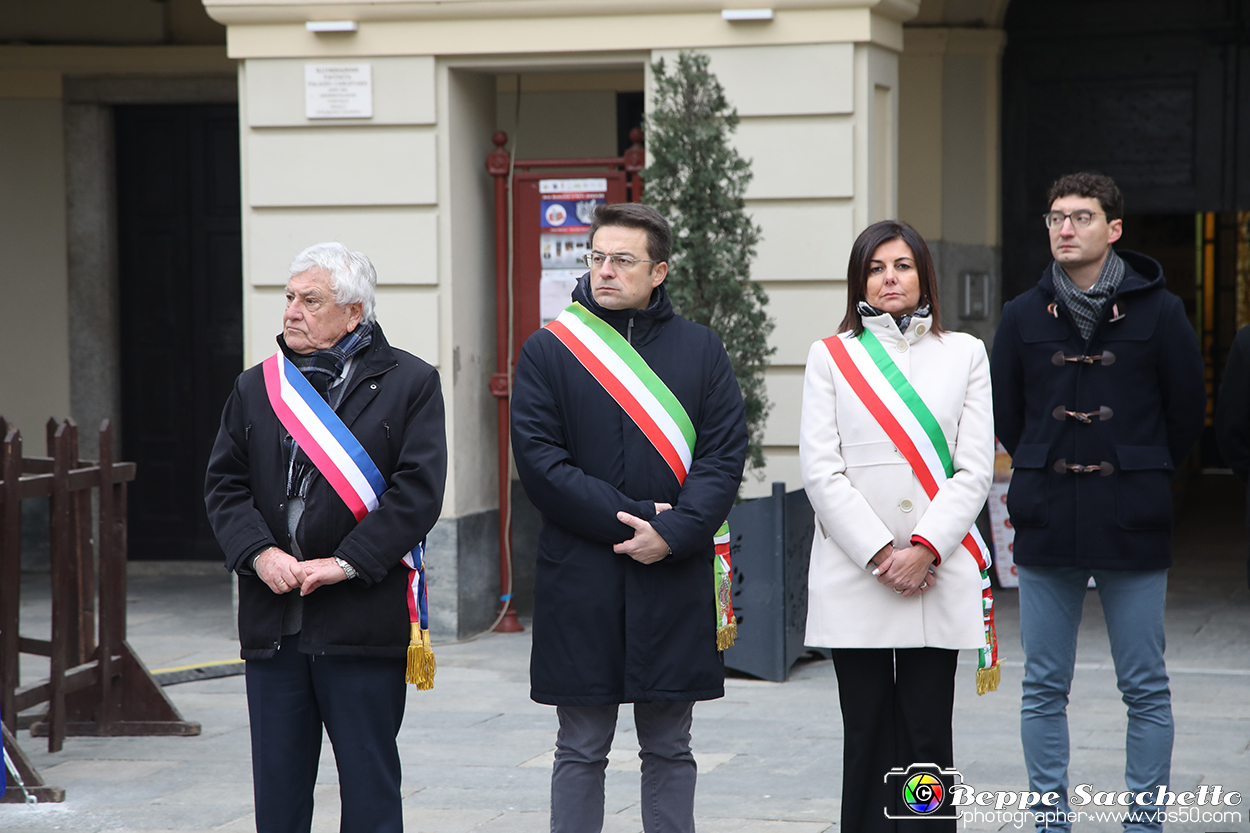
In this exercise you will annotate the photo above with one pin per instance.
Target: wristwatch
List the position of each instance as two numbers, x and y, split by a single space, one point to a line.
348 569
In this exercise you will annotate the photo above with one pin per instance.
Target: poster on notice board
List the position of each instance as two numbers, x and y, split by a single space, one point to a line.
568 209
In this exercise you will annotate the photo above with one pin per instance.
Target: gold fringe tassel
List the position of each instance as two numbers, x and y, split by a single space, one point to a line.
988 679
725 636
421 665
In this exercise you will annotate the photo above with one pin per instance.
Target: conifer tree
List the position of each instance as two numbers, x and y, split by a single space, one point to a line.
697 180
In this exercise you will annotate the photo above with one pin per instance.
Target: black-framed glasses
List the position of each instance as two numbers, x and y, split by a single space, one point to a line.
1080 219
595 260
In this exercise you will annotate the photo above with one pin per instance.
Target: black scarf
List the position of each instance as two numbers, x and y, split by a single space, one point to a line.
324 367
867 310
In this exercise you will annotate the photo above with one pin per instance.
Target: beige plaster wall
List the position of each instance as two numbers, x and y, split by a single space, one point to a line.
369 184
561 115
34 316
972 13
277 30
949 179
949 157
818 124
35 349
468 334
920 139
409 188
817 89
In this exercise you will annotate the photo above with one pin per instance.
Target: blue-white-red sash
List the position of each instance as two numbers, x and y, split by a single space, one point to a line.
336 453
349 470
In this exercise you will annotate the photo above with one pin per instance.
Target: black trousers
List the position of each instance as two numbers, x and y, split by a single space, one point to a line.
360 701
896 711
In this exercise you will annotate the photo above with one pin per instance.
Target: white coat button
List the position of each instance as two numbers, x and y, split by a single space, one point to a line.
920 328
906 505
901 346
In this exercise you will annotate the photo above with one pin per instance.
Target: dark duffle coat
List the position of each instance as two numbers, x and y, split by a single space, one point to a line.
394 406
608 629
1119 517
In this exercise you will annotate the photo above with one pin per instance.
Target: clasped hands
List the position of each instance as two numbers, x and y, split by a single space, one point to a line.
647 546
908 571
284 572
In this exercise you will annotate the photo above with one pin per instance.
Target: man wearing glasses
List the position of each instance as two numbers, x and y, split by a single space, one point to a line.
629 434
1099 395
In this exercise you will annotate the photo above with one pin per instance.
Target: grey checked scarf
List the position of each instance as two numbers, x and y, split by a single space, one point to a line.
867 310
1086 304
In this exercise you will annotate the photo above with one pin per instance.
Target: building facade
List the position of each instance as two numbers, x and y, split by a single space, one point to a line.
852 111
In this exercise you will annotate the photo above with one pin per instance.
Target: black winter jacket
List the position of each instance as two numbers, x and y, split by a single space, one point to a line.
608 629
1145 373
394 406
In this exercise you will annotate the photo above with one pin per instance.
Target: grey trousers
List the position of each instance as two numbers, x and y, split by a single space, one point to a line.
668 767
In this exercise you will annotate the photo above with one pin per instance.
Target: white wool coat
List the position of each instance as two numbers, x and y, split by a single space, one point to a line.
865 495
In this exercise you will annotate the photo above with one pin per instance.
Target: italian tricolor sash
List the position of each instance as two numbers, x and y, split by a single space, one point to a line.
630 381
726 624
347 467
915 432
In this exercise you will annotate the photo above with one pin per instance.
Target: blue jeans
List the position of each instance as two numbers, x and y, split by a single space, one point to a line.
1051 600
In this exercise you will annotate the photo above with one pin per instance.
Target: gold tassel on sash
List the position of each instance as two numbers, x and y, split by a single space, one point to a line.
421 665
988 678
989 669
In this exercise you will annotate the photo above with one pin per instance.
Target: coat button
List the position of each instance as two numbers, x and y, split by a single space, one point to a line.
901 346
920 328
906 505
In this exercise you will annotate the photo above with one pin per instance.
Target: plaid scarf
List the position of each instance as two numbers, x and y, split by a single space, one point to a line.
1086 304
867 310
323 369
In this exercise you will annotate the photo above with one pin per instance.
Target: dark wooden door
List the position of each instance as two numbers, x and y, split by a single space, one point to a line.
181 310
1154 93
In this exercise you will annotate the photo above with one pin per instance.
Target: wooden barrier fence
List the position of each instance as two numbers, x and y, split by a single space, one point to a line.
96 684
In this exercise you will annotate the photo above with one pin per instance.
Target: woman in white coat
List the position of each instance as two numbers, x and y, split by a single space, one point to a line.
897 453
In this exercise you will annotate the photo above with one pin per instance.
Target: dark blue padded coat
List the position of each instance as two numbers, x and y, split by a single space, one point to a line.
608 629
1144 394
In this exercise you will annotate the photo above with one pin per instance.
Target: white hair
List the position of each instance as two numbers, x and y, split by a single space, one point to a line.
352 276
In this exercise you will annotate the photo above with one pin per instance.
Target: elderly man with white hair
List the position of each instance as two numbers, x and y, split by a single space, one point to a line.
325 478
